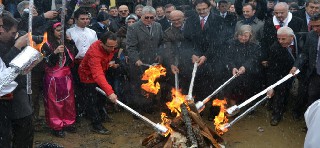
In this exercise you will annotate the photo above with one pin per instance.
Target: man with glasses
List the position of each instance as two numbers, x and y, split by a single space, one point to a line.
143 40
92 74
123 13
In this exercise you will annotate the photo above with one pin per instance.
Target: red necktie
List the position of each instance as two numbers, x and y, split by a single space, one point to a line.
309 27
202 23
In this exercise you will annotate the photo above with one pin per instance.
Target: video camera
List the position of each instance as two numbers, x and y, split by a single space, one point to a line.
36 38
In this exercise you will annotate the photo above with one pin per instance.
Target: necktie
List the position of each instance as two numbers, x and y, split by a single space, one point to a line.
281 23
149 28
318 62
291 50
202 23
309 27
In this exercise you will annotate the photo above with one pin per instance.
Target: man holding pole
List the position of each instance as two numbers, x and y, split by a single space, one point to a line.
92 74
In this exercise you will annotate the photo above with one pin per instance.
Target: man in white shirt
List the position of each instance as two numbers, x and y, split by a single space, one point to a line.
83 37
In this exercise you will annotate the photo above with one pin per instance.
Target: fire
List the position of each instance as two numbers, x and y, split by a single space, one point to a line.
38 46
45 39
151 74
177 99
166 122
221 119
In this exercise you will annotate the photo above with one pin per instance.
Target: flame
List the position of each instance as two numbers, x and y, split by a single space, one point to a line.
177 99
151 74
220 120
45 39
166 122
38 46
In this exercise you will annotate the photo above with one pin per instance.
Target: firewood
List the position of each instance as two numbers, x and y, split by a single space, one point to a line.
187 121
152 140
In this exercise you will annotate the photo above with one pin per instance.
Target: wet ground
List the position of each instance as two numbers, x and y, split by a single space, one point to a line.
253 131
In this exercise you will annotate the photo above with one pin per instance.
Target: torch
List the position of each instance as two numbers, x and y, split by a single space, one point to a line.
194 71
235 109
200 104
228 125
63 16
149 65
21 64
158 127
30 43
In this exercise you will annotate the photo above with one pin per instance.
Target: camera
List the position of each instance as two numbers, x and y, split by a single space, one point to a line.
36 38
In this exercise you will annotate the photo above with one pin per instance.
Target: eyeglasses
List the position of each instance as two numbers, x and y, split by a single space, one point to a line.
131 21
123 11
104 9
149 17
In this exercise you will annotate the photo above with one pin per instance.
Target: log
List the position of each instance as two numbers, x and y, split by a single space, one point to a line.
187 121
153 140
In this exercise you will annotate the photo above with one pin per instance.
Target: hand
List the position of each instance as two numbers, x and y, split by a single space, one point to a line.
21 42
50 14
270 93
114 65
139 63
113 98
293 70
174 69
202 59
264 63
158 59
242 70
235 71
59 49
195 58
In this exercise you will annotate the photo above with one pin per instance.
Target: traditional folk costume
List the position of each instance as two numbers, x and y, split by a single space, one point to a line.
58 87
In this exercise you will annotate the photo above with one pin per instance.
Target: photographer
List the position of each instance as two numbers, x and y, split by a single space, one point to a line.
18 112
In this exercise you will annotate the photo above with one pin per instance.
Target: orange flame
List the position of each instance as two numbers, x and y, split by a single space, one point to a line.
177 99
151 74
45 39
221 119
166 122
38 46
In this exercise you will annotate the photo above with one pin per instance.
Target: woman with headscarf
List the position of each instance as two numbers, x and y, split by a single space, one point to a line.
58 84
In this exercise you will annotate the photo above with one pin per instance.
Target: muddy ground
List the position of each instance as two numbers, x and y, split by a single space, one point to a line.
253 131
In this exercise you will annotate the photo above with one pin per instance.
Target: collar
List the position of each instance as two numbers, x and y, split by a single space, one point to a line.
205 18
77 27
101 25
285 22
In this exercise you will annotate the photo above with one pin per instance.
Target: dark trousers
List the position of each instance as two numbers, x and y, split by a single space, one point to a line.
5 124
78 91
23 133
94 102
282 93
37 91
314 88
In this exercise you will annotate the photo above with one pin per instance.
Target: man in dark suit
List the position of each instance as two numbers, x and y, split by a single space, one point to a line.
282 55
102 24
312 8
143 40
282 17
165 22
311 56
203 31
229 20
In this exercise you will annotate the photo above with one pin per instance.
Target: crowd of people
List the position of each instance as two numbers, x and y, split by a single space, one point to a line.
259 41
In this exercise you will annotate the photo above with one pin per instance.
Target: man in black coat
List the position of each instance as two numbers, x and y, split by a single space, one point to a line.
311 56
102 24
282 17
282 55
312 8
20 108
203 32
165 22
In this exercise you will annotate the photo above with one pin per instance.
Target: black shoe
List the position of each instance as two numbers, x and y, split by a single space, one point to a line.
58 133
274 121
71 129
100 129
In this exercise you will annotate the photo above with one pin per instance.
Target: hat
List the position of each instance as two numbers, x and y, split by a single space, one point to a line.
132 16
